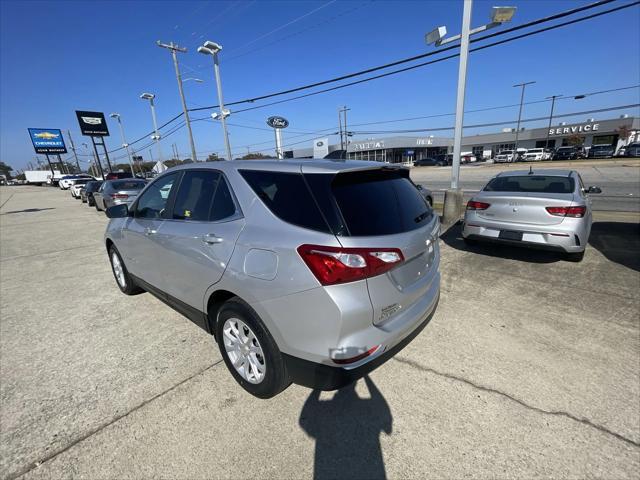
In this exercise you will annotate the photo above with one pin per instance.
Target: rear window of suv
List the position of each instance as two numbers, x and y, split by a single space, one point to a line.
531 184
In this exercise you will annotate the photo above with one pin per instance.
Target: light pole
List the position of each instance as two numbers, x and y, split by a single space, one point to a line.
73 148
553 103
124 142
499 15
156 137
212 48
523 86
173 48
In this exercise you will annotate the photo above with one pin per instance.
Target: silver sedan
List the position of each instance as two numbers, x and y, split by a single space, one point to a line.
117 192
548 209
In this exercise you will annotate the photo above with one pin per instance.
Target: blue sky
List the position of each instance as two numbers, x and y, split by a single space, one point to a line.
58 57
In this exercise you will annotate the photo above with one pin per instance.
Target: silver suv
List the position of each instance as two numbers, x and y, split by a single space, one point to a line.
306 271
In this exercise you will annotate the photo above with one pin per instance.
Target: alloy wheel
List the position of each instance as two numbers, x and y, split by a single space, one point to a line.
244 350
118 270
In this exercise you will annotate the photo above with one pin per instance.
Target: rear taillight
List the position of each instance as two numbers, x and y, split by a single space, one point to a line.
346 361
119 195
576 212
333 265
473 205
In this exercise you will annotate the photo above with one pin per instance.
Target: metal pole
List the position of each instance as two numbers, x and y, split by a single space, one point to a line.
95 152
73 147
553 102
125 145
462 82
278 142
184 103
340 126
53 174
216 69
523 85
155 127
346 132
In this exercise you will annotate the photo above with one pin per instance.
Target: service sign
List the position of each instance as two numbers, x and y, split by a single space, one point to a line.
92 124
277 122
47 140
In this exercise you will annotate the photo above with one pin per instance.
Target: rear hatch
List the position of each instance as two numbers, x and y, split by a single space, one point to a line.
381 209
524 199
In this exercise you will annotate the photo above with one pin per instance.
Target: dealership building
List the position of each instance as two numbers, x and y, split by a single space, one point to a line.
401 149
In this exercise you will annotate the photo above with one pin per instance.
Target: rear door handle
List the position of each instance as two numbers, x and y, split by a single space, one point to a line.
211 239
149 231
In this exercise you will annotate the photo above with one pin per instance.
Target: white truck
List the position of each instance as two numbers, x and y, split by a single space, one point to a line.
40 177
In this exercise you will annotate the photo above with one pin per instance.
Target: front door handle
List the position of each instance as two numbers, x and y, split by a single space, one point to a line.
149 231
211 239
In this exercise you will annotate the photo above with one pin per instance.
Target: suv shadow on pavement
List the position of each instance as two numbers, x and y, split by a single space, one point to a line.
619 242
347 432
453 238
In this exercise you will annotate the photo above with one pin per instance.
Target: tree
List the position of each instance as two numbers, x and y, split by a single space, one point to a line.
213 157
575 139
624 132
256 156
5 170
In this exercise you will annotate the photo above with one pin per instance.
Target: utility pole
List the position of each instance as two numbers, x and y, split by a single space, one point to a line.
173 48
523 86
346 132
553 103
73 148
340 126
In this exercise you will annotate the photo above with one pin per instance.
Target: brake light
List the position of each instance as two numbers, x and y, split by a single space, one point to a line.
119 195
473 205
334 265
575 212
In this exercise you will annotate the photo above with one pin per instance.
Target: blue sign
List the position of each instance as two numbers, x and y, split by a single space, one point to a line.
47 140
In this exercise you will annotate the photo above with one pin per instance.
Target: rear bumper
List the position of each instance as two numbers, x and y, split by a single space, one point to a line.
325 377
562 238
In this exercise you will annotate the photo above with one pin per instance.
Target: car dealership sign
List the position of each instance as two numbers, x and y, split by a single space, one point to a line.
47 140
584 128
277 122
92 124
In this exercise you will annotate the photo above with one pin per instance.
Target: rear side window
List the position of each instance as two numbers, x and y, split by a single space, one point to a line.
287 196
203 196
531 184
379 202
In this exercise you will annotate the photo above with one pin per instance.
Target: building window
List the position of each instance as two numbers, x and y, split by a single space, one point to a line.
605 140
478 151
543 143
565 141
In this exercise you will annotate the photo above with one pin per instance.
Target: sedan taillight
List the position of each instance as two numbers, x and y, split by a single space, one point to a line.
473 205
119 195
575 212
334 265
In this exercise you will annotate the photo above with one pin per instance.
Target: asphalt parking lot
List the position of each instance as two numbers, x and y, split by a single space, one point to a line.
530 368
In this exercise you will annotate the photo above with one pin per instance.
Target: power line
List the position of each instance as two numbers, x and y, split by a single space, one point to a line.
362 72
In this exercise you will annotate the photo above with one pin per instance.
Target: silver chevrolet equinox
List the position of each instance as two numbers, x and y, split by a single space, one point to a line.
307 271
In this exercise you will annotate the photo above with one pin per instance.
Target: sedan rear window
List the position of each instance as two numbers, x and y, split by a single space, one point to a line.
128 185
531 184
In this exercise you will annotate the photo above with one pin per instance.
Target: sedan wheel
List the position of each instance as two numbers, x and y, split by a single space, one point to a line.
123 279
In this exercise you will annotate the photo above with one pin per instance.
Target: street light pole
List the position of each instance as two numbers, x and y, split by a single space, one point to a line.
156 137
212 48
173 48
73 148
523 86
553 102
499 15
124 141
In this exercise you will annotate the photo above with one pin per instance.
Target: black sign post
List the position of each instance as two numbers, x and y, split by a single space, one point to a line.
53 174
94 125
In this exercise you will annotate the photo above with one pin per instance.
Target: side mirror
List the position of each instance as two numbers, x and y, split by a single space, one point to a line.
593 189
118 211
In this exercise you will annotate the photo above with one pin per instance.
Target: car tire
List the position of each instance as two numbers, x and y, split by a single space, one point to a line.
121 274
574 256
237 314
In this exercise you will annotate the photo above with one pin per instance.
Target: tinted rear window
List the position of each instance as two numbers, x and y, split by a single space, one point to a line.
287 196
531 183
379 202
128 185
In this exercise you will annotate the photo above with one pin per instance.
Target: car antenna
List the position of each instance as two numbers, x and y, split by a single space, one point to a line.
530 169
